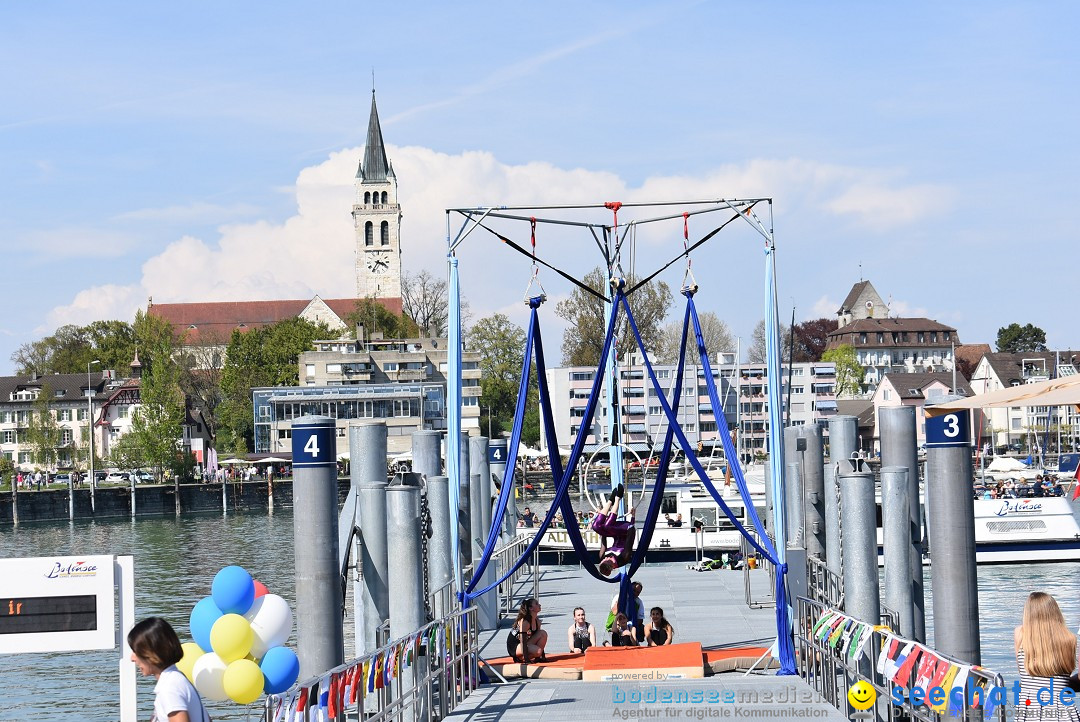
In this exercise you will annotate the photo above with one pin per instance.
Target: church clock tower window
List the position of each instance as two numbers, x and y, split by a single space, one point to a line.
369 234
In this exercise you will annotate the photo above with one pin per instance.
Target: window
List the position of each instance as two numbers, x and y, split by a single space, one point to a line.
384 197
947 335
442 366
1016 424
401 407
798 407
933 337
886 395
9 437
654 410
122 412
333 368
284 433
470 401
65 436
384 234
6 417
365 409
922 337
24 457
82 415
390 366
65 414
881 337
309 370
577 413
581 376
690 428
862 338
369 234
663 374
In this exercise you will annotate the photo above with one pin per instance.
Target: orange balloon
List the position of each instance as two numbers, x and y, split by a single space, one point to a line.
260 588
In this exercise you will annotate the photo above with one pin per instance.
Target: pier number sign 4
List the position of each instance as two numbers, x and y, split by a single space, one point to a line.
951 429
57 604
314 444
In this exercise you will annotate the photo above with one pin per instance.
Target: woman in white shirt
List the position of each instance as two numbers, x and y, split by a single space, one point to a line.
155 650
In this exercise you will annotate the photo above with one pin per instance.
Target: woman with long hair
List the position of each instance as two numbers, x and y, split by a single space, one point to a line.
658 631
527 640
155 650
1045 656
581 635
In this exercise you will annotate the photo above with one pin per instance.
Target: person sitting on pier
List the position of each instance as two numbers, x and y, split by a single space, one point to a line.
1045 656
639 610
622 634
581 635
658 631
622 534
526 640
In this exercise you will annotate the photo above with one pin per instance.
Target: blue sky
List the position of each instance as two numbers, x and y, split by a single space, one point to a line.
206 151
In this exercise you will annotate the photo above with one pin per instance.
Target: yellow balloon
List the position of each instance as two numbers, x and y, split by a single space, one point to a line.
192 652
231 637
243 681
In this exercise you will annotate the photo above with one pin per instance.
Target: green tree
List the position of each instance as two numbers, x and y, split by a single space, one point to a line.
501 345
266 356
70 348
376 318
127 453
1015 338
583 340
157 423
7 471
44 434
849 374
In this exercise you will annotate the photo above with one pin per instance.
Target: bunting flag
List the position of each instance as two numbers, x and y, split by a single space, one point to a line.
301 701
990 701
376 672
388 665
281 706
838 631
356 680
827 616
845 638
332 696
946 683
889 647
321 711
903 670
927 668
959 682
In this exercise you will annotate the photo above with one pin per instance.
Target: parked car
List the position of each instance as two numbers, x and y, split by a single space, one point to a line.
62 478
101 475
142 477
116 476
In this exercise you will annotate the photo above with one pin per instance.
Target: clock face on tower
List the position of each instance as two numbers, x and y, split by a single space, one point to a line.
378 265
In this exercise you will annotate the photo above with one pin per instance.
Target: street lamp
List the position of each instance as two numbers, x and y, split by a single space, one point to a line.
90 429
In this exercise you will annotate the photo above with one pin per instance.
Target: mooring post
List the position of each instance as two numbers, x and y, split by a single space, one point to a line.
464 520
319 635
371 602
426 453
793 487
407 613
862 599
899 447
843 442
951 527
896 543
497 456
487 613
440 566
813 491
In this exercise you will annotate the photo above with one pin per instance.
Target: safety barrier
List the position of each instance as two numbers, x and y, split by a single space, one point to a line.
823 584
831 667
504 559
419 677
769 600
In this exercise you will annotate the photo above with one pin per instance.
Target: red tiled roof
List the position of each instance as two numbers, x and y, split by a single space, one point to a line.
214 322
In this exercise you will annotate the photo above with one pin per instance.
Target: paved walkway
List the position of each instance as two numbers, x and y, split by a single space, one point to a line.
708 607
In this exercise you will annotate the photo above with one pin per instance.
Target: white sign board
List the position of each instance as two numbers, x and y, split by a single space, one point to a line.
57 604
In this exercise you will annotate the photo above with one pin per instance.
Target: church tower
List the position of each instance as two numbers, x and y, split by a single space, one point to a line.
377 219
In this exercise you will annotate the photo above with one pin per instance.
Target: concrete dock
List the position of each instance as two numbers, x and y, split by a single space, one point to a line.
705 607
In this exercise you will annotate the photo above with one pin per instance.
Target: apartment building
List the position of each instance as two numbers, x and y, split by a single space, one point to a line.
399 381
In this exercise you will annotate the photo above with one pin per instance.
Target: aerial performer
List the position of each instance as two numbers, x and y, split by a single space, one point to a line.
622 534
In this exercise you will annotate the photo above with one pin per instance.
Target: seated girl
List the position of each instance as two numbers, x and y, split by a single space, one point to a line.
526 640
658 631
622 634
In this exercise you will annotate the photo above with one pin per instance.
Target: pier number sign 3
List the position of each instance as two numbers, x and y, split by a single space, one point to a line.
57 604
951 429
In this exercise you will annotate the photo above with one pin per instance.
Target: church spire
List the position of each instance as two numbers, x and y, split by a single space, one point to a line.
376 167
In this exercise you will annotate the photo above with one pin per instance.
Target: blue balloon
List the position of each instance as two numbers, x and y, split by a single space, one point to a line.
280 669
203 616
233 590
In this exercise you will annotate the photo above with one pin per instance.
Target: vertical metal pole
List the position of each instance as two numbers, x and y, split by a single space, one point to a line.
813 491
440 568
125 578
951 530
843 441
71 499
861 595
793 497
896 542
476 517
464 520
899 447
320 644
367 475
406 575
426 454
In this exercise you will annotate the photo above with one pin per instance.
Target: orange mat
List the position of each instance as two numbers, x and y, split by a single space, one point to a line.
572 661
727 660
673 661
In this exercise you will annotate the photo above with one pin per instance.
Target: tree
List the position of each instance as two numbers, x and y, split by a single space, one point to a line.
424 299
157 423
849 374
756 354
377 318
266 356
201 371
501 345
71 347
714 332
811 338
1015 338
583 340
44 433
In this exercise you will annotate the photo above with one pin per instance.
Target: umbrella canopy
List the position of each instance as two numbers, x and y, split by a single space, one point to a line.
526 452
232 462
1064 391
270 460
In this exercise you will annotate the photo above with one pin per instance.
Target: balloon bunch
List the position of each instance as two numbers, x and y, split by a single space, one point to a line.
239 631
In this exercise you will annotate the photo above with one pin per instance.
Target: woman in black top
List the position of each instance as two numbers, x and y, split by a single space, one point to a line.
658 631
526 640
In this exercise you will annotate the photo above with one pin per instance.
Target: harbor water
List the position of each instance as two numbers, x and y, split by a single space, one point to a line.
176 559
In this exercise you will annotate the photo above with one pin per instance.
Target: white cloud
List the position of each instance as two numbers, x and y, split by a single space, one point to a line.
313 250
824 307
76 242
903 309
193 213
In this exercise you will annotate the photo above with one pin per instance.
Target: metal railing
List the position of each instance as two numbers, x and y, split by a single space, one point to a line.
769 600
832 673
442 672
507 591
823 584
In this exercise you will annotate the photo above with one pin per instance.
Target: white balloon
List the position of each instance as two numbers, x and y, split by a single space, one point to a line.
271 621
209 674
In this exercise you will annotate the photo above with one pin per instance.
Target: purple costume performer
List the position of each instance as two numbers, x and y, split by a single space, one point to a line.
621 533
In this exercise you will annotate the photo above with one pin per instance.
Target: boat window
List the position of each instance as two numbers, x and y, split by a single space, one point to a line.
1022 525
670 504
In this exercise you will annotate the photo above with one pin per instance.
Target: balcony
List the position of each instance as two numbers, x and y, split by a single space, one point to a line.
409 375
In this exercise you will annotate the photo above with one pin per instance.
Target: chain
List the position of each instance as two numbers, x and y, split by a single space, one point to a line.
425 535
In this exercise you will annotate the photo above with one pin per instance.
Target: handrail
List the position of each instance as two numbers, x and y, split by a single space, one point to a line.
823 584
748 551
442 670
503 559
832 674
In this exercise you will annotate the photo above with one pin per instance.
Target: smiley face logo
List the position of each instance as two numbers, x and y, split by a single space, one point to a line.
861 695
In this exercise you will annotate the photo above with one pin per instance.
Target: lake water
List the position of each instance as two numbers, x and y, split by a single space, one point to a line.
176 559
